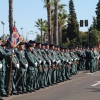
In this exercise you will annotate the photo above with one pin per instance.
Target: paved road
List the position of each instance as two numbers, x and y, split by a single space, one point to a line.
84 86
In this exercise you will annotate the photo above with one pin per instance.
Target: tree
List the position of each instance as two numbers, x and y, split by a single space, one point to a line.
73 27
56 20
41 25
82 40
94 25
48 6
38 38
10 15
62 19
98 15
94 37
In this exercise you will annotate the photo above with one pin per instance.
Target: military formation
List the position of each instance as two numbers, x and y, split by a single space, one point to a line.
36 65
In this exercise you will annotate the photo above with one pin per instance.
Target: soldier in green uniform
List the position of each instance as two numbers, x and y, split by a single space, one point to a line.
87 51
53 60
47 64
15 68
31 68
69 61
96 54
34 52
3 55
23 68
64 59
49 59
73 60
58 64
91 60
41 67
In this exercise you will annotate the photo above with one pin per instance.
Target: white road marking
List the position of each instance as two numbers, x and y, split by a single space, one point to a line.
98 82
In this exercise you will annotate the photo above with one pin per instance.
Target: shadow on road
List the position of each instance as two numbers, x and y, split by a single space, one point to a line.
94 89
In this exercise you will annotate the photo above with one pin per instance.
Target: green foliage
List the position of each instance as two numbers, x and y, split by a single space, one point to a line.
94 24
38 38
41 24
73 27
94 37
81 40
98 15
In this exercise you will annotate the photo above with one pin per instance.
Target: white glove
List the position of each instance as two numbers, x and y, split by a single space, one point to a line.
11 50
69 62
36 64
75 59
59 61
0 66
49 62
44 62
97 57
26 65
18 66
53 60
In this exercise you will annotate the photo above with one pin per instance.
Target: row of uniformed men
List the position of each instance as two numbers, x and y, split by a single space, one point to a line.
37 66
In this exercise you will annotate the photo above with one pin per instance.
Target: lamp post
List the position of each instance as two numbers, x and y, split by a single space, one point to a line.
3 26
36 36
22 31
29 32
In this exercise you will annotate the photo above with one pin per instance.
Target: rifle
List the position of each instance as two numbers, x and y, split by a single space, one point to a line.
69 65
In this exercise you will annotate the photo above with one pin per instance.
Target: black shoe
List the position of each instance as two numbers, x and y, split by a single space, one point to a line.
24 91
15 93
20 92
33 91
74 74
42 87
65 80
68 78
51 84
4 95
1 98
28 91
46 85
58 81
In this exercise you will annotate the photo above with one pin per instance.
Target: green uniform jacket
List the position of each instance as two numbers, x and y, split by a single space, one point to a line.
31 60
22 59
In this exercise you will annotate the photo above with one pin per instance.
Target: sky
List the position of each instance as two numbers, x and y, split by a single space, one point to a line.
26 12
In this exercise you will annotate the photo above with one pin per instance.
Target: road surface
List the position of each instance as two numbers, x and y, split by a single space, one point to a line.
83 86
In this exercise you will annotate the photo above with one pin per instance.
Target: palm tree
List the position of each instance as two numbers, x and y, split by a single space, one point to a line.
10 15
56 20
47 4
62 19
41 25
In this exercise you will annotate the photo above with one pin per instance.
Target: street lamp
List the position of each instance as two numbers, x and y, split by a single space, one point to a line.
29 32
36 35
22 31
3 26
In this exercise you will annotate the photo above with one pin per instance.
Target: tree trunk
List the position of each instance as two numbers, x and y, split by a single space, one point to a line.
60 33
56 21
41 36
10 15
49 22
51 35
